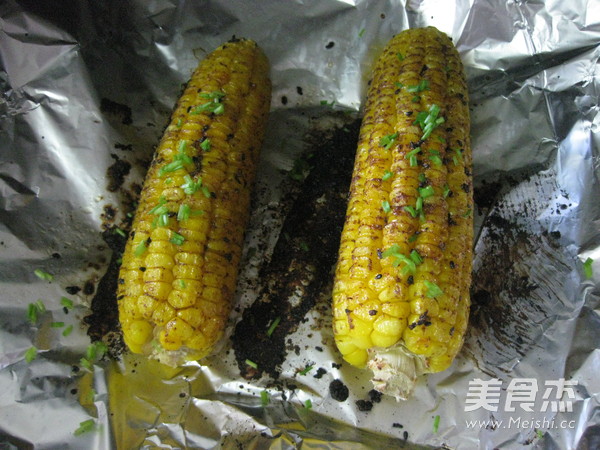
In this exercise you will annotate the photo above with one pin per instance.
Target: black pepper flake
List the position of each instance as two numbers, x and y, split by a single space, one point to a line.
397 425
320 373
375 396
408 113
451 221
338 390
121 281
364 405
121 297
378 276
465 187
142 269
410 279
405 435
452 331
299 90
284 100
330 45
373 312
452 265
72 289
379 253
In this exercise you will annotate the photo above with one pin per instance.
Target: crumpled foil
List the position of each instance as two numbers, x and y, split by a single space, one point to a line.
85 84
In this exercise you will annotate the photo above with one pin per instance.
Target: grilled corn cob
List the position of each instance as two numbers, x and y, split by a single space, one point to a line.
401 291
179 268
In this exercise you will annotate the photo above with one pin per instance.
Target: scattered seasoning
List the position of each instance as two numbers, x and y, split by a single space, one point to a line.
412 157
399 86
435 158
67 331
422 86
57 324
273 326
387 175
183 213
426 192
171 167
364 405
388 141
66 302
587 268
85 427
86 364
436 423
179 123
329 45
176 238
33 311
190 186
305 370
338 390
252 364
43 275
265 398
308 404
410 263
446 192
433 290
30 354
120 232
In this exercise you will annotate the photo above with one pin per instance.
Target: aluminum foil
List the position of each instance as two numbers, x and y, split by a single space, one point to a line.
86 84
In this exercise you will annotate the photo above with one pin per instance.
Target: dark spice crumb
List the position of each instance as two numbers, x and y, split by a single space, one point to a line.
88 288
72 289
397 425
299 90
336 366
405 435
320 373
375 396
330 45
284 100
364 405
338 390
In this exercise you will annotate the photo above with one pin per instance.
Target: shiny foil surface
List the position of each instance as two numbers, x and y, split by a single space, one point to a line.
87 88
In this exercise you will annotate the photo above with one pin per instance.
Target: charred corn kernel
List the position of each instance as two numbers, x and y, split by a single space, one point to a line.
180 264
404 265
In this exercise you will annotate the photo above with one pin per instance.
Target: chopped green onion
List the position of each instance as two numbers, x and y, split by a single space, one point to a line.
426 192
400 56
205 145
215 95
140 249
385 205
30 354
182 284
422 86
416 257
183 213
264 398
91 395
539 433
361 32
171 167
398 85
436 423
387 175
587 268
326 103
304 246
57 324
85 427
308 404
412 156
179 123
66 302
220 109
273 326
394 250
419 204
433 290
388 141
252 364
446 191
413 238
190 186
120 232
182 146
411 211
177 238
467 213
167 181
436 160
86 364
305 370
43 275
205 191
67 331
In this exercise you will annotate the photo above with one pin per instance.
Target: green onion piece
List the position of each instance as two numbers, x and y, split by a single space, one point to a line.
416 99
57 324
308 404
422 86
426 192
539 433
252 364
304 246
433 290
388 141
66 302
411 211
171 167
90 352
422 178
459 155
413 238
264 398
441 139
85 427
182 284
179 123
43 275
398 85
385 205
436 423
387 175
30 354
305 370
140 249
182 146
326 103
361 32
419 204
393 250
67 331
120 232
587 268
205 145
91 395
32 313
416 257
86 364
273 326
190 186
205 191
400 56
467 213
220 109
436 160
177 238
446 191
184 212
213 95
